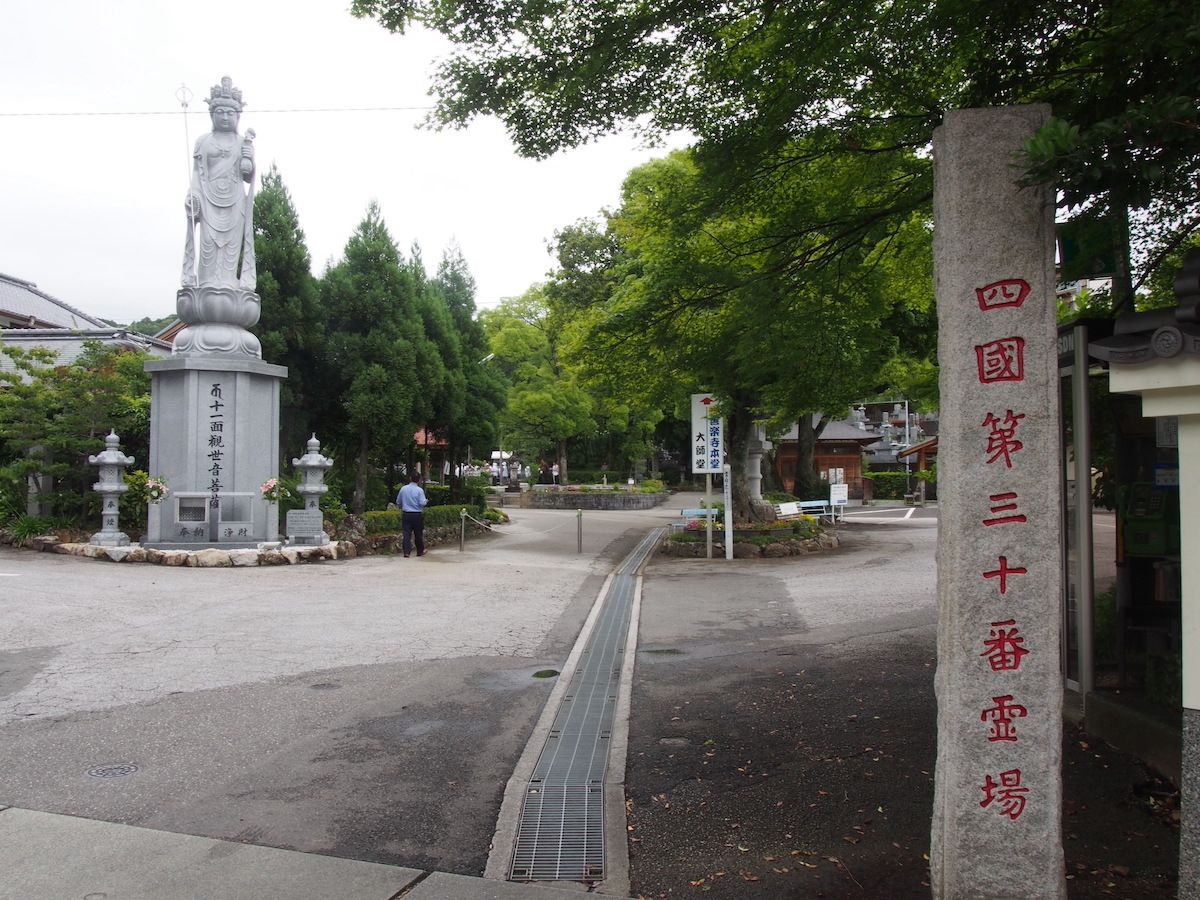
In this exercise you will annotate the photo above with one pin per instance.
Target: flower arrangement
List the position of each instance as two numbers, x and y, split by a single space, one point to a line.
274 491
144 488
156 490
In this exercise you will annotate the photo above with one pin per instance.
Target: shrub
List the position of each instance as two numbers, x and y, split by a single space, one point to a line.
652 486
779 497
25 528
889 485
388 521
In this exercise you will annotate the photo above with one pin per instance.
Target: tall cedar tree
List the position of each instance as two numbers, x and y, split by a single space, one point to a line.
291 326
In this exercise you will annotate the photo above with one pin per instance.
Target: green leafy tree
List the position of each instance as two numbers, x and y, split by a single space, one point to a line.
53 416
547 407
291 326
860 77
150 326
709 299
376 355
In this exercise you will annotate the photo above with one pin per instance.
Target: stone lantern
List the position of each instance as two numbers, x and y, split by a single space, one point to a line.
110 487
306 526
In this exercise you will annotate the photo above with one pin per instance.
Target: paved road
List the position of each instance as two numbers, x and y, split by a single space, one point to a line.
371 709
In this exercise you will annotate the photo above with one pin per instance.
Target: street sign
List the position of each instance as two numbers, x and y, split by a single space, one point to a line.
708 435
839 494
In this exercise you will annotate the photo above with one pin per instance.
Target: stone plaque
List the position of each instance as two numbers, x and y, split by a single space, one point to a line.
997 797
305 523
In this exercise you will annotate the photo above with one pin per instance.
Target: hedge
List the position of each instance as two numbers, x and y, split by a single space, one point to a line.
889 485
445 495
387 521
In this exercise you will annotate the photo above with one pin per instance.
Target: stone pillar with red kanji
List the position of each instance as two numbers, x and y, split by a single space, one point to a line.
996 818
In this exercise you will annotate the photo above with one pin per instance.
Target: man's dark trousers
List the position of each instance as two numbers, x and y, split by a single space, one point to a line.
413 524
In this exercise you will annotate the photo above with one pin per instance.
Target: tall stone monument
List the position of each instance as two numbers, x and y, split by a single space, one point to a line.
214 412
997 797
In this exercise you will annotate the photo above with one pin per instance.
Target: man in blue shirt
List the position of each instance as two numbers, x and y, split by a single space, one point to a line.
412 501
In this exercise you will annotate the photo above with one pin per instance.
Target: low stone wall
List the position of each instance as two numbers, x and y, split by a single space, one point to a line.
742 550
268 555
560 499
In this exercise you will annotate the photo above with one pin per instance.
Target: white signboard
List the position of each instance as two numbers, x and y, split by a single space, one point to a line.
839 494
708 435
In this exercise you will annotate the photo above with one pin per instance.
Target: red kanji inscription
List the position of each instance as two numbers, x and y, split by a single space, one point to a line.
1004 505
1003 646
1001 294
1001 717
1004 572
1001 360
1002 442
1007 794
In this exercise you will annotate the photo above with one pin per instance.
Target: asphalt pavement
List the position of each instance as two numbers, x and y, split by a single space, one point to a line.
348 729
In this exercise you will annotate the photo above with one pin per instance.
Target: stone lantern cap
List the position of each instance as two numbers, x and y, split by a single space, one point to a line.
313 458
111 455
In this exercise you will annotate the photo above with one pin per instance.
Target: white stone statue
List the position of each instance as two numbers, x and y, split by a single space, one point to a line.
219 249
217 299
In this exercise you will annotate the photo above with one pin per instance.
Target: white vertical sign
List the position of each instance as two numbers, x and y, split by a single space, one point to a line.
708 436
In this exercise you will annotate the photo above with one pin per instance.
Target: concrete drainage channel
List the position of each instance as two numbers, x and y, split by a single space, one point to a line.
558 834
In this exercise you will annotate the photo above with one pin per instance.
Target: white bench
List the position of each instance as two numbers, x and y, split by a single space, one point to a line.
793 509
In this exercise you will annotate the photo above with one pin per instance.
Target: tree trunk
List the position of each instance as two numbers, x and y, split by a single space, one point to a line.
806 484
359 501
562 462
739 423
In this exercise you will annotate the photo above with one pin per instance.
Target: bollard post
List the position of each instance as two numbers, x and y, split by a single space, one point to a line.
579 529
462 534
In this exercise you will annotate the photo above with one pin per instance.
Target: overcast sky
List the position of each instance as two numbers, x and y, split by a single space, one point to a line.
91 206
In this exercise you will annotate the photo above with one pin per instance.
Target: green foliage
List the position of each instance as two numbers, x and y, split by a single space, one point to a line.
381 367
450 495
929 476
52 417
652 486
888 485
859 78
150 326
779 497
292 324
25 527
388 521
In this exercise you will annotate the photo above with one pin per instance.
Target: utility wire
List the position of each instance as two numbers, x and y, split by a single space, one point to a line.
175 112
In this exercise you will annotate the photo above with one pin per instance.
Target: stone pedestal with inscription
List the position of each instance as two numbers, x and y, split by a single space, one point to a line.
997 798
214 437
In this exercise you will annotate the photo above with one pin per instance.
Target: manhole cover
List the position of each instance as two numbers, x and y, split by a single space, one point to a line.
117 770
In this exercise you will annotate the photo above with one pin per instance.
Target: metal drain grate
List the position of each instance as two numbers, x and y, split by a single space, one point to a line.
116 770
561 831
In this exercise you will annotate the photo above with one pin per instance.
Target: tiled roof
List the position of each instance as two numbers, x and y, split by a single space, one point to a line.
22 305
68 345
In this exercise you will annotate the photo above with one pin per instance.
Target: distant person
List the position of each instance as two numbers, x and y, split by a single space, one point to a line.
412 502
554 472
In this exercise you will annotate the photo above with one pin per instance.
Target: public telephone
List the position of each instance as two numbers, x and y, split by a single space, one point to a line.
1151 521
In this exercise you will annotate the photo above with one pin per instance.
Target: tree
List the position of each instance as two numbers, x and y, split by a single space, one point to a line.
53 416
150 326
749 78
291 326
377 358
484 391
705 299
547 407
